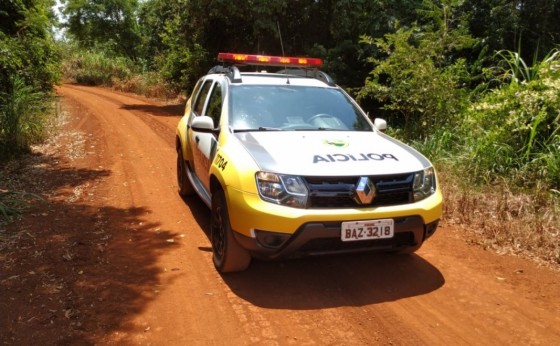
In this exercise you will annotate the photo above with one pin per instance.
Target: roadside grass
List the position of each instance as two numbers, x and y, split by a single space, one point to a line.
24 117
15 198
500 166
97 68
149 84
504 215
14 203
27 118
507 222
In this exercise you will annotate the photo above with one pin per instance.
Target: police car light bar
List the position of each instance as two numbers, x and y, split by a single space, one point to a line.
270 60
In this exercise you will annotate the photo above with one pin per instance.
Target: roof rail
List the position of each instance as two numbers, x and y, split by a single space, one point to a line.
234 74
231 71
310 73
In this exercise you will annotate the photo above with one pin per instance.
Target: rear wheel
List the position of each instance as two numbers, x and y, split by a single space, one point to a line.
185 186
228 255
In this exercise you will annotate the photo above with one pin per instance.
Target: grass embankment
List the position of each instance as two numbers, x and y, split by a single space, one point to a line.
26 118
95 67
497 218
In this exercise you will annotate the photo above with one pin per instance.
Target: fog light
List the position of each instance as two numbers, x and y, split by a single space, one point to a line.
271 239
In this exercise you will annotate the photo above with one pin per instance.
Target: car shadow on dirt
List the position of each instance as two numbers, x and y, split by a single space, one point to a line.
74 269
171 110
328 281
333 281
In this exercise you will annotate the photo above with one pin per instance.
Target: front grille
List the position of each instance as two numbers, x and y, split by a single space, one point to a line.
338 192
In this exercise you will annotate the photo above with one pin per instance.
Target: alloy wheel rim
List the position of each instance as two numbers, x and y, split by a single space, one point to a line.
180 171
218 235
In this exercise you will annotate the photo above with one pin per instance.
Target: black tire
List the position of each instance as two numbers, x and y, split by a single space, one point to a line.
185 186
227 254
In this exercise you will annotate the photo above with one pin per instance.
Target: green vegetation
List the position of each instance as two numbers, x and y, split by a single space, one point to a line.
24 113
13 203
510 131
29 65
111 23
416 81
515 130
473 84
95 66
497 143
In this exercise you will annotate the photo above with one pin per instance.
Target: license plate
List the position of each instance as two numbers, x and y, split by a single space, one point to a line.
367 230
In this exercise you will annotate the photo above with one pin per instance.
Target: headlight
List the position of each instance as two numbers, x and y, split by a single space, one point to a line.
282 189
424 184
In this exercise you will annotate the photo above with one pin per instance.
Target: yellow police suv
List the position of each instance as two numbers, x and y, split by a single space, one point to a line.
291 166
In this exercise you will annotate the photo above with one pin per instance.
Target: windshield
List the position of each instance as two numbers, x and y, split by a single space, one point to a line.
274 107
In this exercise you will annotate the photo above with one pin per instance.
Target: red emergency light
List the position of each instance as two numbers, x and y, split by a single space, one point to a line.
251 59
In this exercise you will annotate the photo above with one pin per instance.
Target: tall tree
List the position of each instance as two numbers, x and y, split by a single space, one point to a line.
27 47
419 80
183 36
108 23
530 26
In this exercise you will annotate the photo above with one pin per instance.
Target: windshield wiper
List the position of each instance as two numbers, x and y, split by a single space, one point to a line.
319 129
262 128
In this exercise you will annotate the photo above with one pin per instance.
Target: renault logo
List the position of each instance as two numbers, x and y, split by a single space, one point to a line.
365 191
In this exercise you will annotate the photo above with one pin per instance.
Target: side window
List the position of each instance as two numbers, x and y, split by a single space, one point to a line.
201 99
214 108
191 99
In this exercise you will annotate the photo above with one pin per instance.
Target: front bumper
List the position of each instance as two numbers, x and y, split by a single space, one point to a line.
314 239
271 231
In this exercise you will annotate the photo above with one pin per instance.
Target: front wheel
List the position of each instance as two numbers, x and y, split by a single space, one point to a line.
227 254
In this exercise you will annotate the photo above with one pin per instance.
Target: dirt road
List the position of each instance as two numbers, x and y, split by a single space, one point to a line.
117 257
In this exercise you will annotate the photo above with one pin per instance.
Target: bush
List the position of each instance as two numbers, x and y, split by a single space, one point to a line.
421 81
514 132
150 84
417 84
99 67
23 116
96 67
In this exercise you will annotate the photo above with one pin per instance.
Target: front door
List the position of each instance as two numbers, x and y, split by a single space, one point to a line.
205 144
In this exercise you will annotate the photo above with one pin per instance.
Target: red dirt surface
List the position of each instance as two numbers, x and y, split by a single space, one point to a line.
115 256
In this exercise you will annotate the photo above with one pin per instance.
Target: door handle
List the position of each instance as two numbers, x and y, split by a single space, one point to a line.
197 139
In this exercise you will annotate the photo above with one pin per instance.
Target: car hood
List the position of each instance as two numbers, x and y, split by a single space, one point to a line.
329 153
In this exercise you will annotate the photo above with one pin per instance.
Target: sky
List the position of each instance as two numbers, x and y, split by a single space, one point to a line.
58 32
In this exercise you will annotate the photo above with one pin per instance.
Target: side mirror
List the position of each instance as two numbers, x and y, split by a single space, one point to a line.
380 124
203 124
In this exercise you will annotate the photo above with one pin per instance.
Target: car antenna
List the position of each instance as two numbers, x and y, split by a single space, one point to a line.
283 54
280 34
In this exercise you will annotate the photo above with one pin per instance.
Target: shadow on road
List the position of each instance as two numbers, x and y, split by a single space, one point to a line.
176 109
165 111
74 269
328 281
